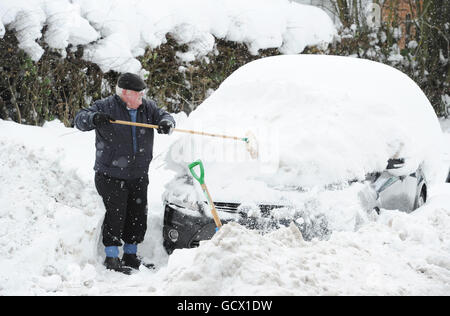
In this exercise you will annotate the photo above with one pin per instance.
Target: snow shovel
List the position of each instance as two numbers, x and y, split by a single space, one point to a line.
250 140
201 180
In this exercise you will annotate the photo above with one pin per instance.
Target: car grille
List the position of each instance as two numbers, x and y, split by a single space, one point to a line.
227 207
233 207
311 226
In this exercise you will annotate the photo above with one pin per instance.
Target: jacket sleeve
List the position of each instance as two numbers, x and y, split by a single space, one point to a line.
84 120
159 114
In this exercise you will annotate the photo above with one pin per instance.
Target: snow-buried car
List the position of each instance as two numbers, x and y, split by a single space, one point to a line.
339 139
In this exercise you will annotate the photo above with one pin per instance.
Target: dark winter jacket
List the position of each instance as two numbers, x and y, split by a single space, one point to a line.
115 155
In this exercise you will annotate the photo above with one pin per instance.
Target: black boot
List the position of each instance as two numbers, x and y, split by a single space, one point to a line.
133 261
116 265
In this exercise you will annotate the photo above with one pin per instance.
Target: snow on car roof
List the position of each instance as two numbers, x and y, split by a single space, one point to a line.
318 120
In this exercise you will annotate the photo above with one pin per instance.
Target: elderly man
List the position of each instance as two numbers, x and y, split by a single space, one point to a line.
123 156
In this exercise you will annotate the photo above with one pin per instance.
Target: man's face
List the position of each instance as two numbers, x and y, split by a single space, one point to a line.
132 98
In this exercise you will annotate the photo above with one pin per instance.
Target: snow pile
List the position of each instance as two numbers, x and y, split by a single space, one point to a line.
50 211
318 120
398 254
391 254
114 33
48 214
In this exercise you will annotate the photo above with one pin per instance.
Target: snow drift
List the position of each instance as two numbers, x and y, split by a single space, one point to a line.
398 254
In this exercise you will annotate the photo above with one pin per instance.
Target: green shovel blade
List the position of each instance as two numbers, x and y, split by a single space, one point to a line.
201 178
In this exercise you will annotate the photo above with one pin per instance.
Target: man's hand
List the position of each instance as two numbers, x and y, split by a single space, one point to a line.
102 119
165 127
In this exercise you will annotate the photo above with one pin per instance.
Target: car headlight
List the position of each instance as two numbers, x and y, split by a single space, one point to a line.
173 235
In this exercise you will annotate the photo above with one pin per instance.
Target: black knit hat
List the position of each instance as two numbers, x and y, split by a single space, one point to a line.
131 81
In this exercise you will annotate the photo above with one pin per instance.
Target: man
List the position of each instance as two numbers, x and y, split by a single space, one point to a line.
123 155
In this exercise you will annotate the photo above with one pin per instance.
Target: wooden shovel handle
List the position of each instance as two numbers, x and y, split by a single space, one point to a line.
134 124
177 130
213 208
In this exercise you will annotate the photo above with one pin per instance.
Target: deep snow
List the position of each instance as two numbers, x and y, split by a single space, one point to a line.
49 214
50 211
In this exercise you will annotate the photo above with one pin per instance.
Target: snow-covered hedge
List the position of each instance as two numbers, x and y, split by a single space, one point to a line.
57 87
114 33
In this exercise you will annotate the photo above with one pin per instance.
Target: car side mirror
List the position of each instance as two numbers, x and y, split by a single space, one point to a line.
395 163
